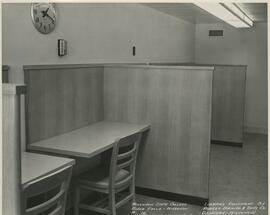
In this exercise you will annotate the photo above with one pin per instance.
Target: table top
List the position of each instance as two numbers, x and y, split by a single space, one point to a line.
35 166
88 141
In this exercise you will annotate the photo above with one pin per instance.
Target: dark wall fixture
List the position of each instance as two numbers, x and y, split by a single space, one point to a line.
215 33
5 70
134 50
62 47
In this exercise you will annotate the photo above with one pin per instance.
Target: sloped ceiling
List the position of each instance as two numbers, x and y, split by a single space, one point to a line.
191 13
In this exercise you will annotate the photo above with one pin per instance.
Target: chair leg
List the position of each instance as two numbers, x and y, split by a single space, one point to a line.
76 200
112 203
132 191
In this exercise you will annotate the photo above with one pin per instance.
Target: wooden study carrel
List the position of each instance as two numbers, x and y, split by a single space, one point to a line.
174 101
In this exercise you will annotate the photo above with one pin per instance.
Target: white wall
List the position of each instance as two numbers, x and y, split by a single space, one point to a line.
240 46
96 33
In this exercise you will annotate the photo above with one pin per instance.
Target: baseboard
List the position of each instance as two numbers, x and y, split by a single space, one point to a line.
226 143
256 129
172 196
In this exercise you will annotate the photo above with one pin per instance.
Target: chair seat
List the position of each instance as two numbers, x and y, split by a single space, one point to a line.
99 177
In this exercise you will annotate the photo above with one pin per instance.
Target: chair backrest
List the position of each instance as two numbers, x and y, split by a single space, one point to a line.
48 194
124 155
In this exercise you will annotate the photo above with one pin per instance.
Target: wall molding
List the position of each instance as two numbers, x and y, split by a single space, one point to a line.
227 143
194 200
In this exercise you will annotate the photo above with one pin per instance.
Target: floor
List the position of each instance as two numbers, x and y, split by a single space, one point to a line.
238 184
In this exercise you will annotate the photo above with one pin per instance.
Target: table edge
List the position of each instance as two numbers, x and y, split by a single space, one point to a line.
36 148
71 162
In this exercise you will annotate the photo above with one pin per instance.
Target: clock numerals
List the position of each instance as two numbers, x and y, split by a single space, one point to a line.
37 19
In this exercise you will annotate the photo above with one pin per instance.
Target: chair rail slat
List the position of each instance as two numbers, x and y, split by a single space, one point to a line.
46 205
126 154
56 204
125 164
57 210
123 201
92 208
123 182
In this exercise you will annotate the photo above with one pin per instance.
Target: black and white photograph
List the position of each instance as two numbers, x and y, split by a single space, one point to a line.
134 108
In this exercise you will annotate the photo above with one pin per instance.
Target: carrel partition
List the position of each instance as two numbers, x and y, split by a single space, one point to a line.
11 155
228 103
176 102
61 98
173 160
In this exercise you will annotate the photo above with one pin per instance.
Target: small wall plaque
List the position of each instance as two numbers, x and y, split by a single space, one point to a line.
62 47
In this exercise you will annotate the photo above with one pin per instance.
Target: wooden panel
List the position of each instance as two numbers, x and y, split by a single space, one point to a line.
11 175
62 98
5 75
228 103
176 101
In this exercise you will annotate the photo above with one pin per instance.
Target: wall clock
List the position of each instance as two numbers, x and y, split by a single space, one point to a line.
43 17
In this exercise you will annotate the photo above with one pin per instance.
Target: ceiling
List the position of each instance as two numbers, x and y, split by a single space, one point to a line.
256 11
191 13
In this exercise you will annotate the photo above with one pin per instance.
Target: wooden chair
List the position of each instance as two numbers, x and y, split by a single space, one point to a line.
54 186
116 181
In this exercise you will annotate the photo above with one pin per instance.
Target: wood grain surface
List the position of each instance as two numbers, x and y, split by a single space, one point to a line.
177 104
229 85
11 175
228 103
62 99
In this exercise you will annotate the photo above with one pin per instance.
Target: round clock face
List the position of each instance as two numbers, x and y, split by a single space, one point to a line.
43 17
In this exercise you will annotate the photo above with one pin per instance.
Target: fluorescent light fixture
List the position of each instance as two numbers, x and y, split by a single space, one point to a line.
228 12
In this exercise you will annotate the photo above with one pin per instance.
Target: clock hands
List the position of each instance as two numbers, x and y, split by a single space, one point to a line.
45 13
50 18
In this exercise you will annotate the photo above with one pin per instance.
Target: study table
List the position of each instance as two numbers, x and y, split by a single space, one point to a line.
88 141
35 166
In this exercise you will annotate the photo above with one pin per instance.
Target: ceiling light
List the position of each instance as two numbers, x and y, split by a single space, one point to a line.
228 12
